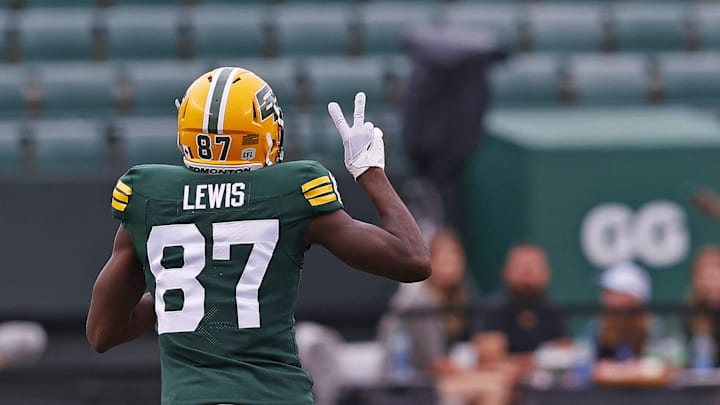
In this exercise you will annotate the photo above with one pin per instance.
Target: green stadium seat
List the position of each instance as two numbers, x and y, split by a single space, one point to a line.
650 26
4 30
135 32
77 88
298 133
145 2
280 74
148 139
10 151
54 3
531 79
691 78
609 79
306 29
400 66
325 145
69 146
391 124
340 78
708 25
313 2
223 2
566 27
56 33
298 136
501 19
398 69
13 81
156 84
226 31
383 23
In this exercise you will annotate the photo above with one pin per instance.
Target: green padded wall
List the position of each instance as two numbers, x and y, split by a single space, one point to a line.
542 173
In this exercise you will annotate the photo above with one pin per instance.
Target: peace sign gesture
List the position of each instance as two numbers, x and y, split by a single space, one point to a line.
363 143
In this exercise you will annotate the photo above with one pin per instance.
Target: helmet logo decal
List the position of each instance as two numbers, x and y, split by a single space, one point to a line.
248 154
267 103
251 139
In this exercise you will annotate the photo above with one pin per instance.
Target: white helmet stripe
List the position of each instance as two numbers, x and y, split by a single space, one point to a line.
208 100
224 100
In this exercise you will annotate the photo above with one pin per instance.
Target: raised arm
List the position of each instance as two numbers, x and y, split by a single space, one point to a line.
707 202
397 250
120 310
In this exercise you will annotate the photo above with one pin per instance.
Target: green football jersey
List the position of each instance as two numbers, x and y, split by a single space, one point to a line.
222 256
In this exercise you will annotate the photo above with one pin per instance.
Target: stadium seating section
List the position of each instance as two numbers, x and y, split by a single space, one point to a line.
97 79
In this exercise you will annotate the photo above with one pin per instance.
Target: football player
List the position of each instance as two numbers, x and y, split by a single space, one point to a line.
218 244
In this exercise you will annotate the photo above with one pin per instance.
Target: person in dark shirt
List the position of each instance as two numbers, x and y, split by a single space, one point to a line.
522 311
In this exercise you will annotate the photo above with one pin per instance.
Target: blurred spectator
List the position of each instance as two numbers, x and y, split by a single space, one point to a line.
318 347
705 297
430 312
21 343
491 381
708 202
522 312
624 349
624 324
447 93
517 321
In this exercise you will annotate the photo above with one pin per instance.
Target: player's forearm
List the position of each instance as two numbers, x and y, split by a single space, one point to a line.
396 219
143 318
108 333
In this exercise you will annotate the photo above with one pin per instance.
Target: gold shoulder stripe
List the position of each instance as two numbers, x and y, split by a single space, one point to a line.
319 191
118 205
314 183
120 196
323 199
123 187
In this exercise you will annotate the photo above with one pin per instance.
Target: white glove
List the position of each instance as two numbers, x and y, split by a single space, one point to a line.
363 143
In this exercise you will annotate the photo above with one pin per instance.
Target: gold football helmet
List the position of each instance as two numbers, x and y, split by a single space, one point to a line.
229 121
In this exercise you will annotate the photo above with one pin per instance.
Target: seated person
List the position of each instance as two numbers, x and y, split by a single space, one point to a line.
431 312
623 330
624 324
517 321
705 296
522 312
491 381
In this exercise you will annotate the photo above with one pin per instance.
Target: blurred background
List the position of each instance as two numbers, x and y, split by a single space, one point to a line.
560 157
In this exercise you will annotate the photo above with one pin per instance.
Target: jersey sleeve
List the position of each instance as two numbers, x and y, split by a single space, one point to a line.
121 195
320 190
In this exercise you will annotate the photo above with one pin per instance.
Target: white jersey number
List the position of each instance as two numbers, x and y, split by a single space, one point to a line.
262 234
